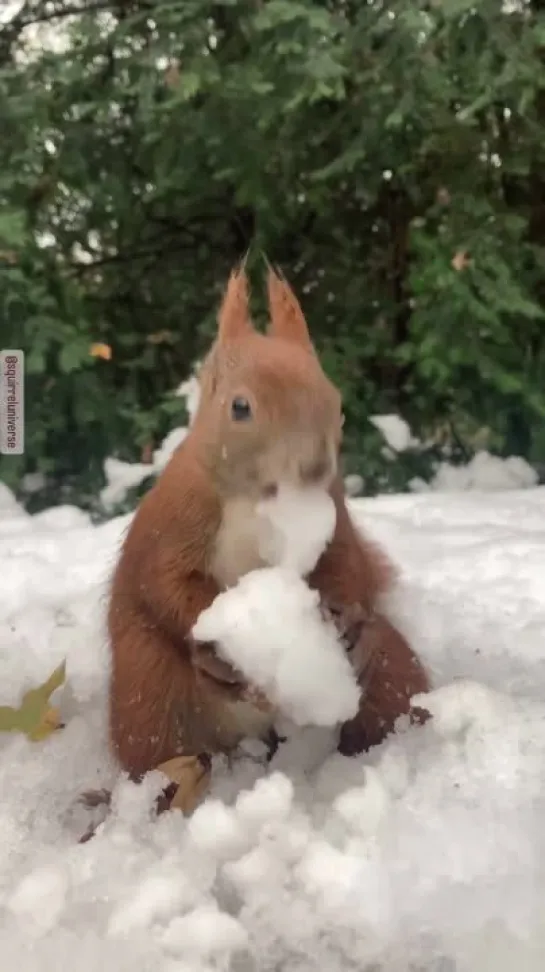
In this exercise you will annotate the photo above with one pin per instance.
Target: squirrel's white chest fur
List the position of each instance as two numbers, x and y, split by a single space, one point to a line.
290 529
239 541
236 552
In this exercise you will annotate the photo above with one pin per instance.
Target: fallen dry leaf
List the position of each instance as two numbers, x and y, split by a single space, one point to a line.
192 777
35 716
50 722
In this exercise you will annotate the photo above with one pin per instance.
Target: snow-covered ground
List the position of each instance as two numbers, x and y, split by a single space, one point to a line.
429 854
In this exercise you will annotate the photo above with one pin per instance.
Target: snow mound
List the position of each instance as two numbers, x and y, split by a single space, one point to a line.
482 472
427 854
124 476
120 478
395 430
190 391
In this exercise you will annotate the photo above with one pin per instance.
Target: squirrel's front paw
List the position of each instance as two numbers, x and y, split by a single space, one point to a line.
355 627
207 661
226 678
257 698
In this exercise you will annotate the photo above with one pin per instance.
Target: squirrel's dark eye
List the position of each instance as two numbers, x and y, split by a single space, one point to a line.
240 410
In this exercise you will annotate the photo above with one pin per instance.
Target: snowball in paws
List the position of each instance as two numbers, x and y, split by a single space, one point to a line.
298 525
270 627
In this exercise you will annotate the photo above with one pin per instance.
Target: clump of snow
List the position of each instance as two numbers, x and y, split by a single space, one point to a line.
298 525
395 430
269 626
216 830
33 482
483 472
426 853
156 896
124 476
205 933
168 447
120 478
354 484
191 391
63 517
40 898
9 507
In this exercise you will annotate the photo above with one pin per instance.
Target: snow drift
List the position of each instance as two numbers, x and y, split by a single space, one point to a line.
427 855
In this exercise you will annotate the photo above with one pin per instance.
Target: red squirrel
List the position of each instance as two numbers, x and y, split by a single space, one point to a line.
267 415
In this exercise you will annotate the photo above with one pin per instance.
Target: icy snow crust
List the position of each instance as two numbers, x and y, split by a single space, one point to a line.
428 855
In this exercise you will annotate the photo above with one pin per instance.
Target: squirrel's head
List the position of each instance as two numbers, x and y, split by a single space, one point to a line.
268 415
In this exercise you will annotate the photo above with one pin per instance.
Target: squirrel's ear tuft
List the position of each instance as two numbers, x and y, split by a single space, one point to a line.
286 317
234 316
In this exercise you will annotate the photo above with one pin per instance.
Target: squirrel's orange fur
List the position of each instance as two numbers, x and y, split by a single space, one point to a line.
192 535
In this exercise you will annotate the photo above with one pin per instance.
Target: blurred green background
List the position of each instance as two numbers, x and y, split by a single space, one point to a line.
388 156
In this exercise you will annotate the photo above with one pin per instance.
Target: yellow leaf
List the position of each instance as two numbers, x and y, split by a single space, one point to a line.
8 718
50 722
35 716
103 351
